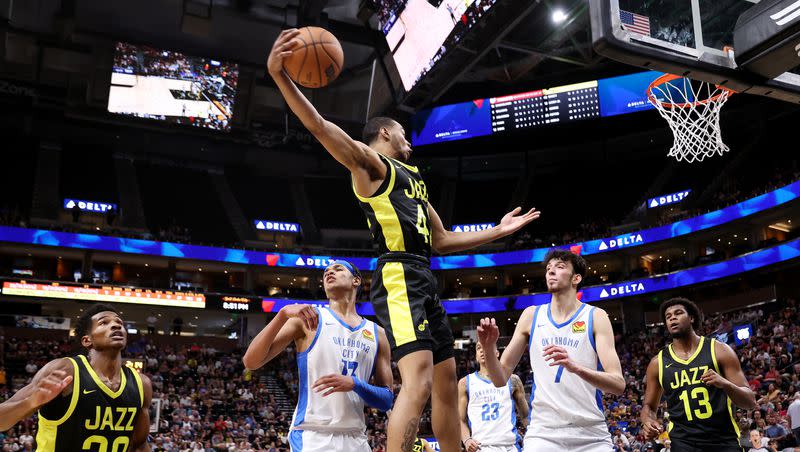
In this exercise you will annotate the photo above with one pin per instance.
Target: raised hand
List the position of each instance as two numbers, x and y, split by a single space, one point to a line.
281 49
304 312
513 221
488 333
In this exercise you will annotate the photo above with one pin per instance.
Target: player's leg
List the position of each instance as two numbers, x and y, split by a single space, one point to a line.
416 373
444 403
400 309
444 399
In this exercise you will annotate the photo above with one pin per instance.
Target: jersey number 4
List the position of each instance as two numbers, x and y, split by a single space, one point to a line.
422 224
490 411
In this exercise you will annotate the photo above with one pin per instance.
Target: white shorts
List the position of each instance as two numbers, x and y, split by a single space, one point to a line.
572 439
311 441
513 448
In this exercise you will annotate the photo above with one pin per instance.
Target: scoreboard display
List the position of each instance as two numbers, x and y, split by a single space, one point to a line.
545 106
561 104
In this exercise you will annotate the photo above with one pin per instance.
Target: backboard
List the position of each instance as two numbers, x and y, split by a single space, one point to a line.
693 38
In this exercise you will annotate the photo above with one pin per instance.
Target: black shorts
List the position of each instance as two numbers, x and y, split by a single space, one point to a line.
405 297
683 445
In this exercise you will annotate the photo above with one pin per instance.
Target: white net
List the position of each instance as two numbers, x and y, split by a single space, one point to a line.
692 109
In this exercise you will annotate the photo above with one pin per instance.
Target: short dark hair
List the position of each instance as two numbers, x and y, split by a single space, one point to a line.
577 261
690 307
373 127
84 323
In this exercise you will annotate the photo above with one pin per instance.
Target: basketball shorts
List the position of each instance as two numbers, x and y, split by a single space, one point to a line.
572 439
683 445
498 448
313 441
405 297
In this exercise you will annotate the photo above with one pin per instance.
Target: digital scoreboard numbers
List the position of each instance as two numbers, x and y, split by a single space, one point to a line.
545 106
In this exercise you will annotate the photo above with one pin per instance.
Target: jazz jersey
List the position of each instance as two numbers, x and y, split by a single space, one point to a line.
397 214
92 417
490 412
697 411
337 348
558 397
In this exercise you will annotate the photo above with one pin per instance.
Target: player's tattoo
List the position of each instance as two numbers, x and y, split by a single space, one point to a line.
410 435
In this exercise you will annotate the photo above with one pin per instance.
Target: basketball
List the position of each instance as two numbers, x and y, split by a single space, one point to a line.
318 59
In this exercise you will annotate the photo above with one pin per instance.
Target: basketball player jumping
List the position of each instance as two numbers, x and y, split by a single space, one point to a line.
488 421
405 226
573 359
337 354
700 378
87 403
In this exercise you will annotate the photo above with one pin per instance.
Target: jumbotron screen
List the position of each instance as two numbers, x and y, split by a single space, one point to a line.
419 32
172 87
587 100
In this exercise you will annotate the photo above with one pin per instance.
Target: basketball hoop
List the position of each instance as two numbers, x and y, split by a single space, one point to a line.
691 108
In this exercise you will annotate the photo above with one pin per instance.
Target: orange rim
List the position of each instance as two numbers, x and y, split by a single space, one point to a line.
670 77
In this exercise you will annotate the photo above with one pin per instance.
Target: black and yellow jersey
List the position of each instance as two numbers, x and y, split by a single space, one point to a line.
92 417
419 445
397 214
698 412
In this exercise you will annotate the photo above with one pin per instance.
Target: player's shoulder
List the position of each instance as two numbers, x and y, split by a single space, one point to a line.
528 312
462 383
721 349
63 364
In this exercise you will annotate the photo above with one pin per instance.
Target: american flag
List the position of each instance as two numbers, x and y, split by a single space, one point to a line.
635 23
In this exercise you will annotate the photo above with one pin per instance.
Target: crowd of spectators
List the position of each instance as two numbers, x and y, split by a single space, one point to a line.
731 191
209 402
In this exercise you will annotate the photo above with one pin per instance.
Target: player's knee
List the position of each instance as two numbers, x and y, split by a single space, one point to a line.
418 389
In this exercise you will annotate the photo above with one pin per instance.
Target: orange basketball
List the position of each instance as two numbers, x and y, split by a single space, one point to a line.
318 59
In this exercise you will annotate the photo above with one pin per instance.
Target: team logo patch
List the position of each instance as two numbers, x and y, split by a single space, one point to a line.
368 335
421 326
579 327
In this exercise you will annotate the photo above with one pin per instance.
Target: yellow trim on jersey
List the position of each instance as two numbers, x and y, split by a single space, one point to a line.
730 403
47 430
138 379
714 356
394 279
101 385
691 358
733 421
385 192
661 368
386 215
409 167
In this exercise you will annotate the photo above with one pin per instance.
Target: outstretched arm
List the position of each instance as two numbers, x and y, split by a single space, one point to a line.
363 162
500 370
732 380
48 383
609 379
445 241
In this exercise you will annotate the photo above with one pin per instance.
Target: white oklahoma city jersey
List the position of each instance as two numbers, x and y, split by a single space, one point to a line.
336 349
490 412
560 398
